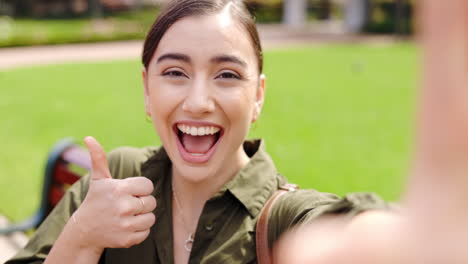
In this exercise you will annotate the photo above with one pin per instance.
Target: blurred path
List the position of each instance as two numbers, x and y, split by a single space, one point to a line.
273 37
41 55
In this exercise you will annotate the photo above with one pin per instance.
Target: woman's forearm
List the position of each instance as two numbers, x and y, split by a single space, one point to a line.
71 248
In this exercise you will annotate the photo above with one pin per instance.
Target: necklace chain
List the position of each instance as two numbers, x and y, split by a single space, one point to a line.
189 241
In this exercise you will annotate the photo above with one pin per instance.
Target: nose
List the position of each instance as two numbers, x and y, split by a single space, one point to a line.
199 98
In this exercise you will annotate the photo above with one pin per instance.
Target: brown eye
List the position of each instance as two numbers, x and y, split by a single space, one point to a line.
228 75
174 73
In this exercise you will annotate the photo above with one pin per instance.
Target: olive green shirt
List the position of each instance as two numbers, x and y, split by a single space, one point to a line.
226 228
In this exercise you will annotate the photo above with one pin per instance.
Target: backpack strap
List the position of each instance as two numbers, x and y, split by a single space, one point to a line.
264 254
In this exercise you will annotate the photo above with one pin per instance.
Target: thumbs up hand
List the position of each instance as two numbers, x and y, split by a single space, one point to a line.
99 167
116 213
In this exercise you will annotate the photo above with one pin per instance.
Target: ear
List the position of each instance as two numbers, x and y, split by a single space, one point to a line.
259 97
144 75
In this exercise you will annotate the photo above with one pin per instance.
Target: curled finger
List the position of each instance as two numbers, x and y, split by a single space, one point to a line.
148 204
143 204
143 221
137 186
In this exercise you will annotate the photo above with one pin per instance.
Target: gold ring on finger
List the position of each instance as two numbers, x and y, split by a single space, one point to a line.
142 205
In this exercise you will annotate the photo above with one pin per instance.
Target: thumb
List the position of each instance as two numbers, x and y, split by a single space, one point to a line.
99 167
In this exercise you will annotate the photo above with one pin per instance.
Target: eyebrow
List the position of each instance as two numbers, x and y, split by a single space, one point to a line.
174 56
228 58
216 59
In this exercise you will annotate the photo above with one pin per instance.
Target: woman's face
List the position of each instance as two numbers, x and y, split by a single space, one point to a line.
202 91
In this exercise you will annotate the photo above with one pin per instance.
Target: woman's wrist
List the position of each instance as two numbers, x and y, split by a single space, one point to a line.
73 246
81 241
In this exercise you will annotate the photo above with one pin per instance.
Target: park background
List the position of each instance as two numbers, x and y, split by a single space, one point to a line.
338 115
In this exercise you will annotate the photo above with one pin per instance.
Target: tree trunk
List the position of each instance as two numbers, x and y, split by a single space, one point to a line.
295 12
357 15
399 17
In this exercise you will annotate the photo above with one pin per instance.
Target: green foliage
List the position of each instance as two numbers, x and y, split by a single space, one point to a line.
336 118
125 26
266 11
384 17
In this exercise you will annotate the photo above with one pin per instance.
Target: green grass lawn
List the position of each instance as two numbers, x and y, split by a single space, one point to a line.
336 118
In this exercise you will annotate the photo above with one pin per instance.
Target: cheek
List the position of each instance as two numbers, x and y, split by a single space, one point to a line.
163 101
238 106
163 97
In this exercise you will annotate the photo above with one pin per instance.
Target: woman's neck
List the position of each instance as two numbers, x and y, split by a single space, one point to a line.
193 195
189 198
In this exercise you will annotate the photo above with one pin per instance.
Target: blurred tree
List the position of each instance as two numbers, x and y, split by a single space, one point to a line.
5 8
391 16
324 9
399 17
66 8
266 11
95 8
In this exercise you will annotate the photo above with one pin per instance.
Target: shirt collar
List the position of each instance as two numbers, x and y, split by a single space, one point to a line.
252 185
256 182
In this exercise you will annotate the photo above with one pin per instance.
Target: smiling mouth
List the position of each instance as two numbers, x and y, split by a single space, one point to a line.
197 142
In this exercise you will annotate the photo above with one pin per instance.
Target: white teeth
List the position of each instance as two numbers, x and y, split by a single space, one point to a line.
198 131
201 131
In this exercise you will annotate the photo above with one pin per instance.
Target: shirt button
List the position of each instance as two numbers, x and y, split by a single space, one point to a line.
208 227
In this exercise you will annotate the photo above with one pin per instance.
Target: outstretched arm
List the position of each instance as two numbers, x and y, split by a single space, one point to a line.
431 227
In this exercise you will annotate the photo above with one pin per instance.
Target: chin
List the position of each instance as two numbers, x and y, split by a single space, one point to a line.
195 173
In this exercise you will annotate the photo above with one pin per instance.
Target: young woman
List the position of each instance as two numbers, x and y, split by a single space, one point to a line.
203 87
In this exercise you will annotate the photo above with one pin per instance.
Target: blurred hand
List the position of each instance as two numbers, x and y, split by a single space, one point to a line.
376 238
115 213
432 226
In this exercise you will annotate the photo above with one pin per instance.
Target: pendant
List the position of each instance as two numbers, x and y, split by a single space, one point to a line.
188 243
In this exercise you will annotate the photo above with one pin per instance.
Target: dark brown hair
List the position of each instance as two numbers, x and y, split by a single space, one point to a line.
178 9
